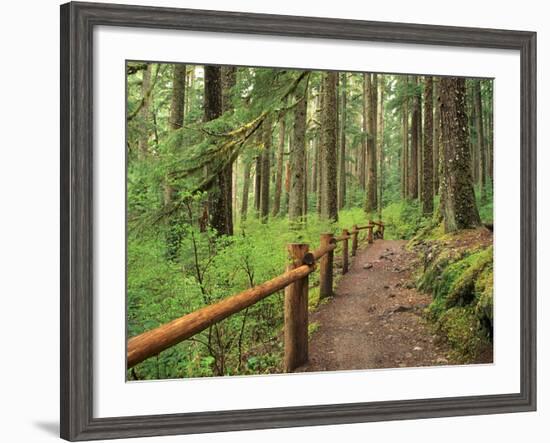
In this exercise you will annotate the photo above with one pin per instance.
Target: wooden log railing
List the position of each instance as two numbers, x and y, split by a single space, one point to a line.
294 281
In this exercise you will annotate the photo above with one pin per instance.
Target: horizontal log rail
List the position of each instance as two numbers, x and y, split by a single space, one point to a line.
342 238
322 251
152 342
295 283
360 228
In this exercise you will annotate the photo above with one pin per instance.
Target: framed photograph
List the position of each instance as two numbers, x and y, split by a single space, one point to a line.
273 221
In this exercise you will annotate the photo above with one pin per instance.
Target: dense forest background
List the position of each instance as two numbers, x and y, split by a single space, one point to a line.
226 165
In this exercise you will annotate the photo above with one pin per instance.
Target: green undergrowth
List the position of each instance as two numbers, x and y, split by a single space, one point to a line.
207 270
404 219
458 272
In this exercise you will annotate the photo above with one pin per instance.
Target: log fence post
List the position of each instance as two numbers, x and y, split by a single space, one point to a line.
296 312
325 268
354 234
345 259
370 237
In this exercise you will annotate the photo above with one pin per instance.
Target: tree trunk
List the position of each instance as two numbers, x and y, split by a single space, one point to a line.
329 209
246 188
482 174
320 170
415 121
266 165
258 183
221 218
177 103
314 167
306 169
279 175
143 143
380 144
175 122
427 170
371 197
405 141
342 158
420 141
190 88
297 160
457 192
436 132
364 138
490 129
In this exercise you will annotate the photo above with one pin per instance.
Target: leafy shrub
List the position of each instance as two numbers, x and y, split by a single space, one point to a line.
206 270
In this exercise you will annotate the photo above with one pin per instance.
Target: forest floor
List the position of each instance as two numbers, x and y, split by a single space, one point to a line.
375 319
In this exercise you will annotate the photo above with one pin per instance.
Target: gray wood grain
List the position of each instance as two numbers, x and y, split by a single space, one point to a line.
77 23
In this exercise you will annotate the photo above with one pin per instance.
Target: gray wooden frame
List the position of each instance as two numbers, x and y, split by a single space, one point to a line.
77 23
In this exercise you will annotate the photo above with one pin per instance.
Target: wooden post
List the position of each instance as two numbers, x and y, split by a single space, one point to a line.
354 233
325 268
296 316
370 237
345 263
381 229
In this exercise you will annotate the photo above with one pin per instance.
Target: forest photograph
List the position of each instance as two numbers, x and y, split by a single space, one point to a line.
292 221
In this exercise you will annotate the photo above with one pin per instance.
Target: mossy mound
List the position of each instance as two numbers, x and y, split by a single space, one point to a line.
458 271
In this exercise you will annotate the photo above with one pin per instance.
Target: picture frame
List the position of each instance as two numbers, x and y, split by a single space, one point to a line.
78 21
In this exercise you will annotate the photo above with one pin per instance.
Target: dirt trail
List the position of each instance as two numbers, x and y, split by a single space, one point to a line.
375 318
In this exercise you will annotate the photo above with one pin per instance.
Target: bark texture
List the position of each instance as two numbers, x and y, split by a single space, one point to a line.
459 208
220 195
480 135
415 122
427 170
436 134
371 197
297 160
266 165
329 208
342 155
405 140
280 164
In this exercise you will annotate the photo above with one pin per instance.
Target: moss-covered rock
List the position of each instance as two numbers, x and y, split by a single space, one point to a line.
458 272
464 332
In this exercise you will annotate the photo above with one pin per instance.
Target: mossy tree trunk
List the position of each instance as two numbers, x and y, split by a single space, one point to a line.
266 165
405 140
246 188
427 170
279 170
372 179
257 183
229 79
362 157
436 133
297 159
459 208
329 209
143 142
380 142
176 119
415 122
342 158
220 194
480 135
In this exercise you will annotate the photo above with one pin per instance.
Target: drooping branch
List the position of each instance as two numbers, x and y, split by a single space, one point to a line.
132 68
145 97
